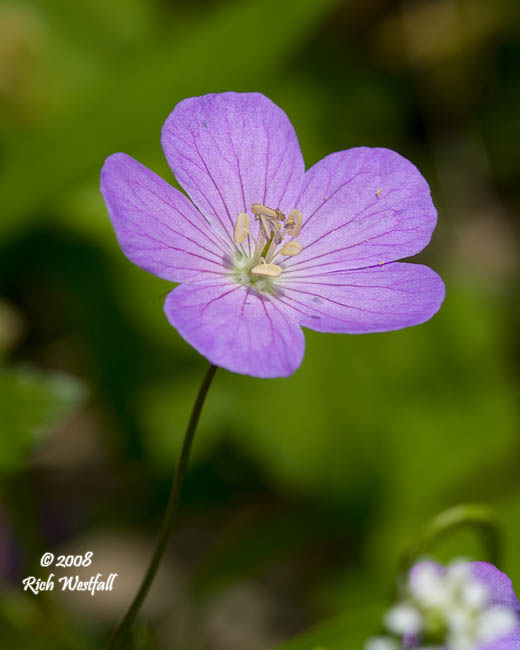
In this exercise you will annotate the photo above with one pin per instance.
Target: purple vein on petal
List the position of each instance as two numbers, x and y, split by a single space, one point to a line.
187 219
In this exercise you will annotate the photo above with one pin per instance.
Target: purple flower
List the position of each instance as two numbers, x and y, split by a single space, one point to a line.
264 247
466 606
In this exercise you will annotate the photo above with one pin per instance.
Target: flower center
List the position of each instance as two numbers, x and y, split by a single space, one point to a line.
255 266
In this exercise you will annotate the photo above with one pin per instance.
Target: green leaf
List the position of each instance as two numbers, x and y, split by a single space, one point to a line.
347 632
128 107
31 404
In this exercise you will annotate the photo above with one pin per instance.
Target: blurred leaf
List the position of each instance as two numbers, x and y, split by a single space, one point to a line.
144 637
31 403
251 546
347 632
33 623
217 54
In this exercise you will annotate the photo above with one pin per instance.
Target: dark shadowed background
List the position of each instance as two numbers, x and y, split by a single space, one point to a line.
302 492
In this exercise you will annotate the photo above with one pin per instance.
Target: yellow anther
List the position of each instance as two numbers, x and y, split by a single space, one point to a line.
270 270
241 228
291 248
379 192
294 223
259 209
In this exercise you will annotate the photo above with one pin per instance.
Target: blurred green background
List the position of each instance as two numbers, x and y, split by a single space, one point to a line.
302 492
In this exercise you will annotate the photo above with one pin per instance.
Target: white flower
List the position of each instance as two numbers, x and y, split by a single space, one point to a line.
496 622
475 595
450 606
428 586
403 619
382 643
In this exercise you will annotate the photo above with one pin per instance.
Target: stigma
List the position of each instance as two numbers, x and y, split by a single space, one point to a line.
273 227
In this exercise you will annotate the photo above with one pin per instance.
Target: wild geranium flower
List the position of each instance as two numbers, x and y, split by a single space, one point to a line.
467 606
264 248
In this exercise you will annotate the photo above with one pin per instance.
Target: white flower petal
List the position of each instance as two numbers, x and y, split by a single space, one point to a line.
475 595
382 643
429 586
403 619
495 623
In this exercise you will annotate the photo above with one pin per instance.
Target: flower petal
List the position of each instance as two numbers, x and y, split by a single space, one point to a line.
377 299
231 150
427 583
498 584
157 227
237 328
509 642
362 207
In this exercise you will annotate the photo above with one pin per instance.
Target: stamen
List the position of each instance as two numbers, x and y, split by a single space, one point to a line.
241 228
259 209
270 270
265 227
294 223
275 229
273 226
291 248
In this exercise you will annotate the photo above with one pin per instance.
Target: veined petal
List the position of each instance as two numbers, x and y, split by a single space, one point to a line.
497 583
362 207
237 328
377 299
157 227
231 150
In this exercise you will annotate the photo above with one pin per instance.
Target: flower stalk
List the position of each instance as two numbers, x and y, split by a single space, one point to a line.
480 518
121 634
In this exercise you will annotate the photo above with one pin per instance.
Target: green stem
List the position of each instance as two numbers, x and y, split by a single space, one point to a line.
121 634
478 517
